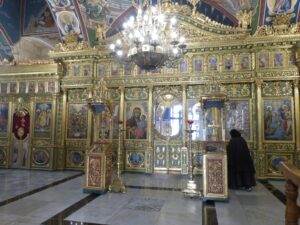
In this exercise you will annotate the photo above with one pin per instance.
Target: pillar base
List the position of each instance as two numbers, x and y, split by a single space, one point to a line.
117 186
191 190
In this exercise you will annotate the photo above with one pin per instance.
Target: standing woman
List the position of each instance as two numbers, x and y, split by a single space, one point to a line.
241 172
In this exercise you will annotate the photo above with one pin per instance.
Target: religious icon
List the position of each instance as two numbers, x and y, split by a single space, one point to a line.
22 87
281 6
31 87
3 88
183 66
198 65
238 117
59 5
114 69
94 171
101 70
228 62
244 62
68 22
41 87
40 157
278 59
292 59
51 86
136 124
213 63
278 119
77 121
13 87
86 70
76 69
45 19
43 117
263 60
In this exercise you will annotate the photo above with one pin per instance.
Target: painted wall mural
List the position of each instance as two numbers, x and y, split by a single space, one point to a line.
216 12
43 118
233 6
77 121
5 48
278 119
37 18
270 8
95 10
67 17
10 19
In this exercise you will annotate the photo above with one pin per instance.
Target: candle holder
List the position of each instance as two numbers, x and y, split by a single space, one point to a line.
117 184
191 189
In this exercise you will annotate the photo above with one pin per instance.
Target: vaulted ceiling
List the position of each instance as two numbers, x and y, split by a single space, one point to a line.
46 22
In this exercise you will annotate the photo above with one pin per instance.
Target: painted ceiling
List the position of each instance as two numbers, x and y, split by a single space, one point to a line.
48 21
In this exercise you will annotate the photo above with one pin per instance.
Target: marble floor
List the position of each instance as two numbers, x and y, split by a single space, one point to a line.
50 198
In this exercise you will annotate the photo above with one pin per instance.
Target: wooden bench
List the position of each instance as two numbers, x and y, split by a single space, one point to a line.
292 175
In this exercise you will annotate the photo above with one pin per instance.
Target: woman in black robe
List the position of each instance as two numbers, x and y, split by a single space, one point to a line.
241 172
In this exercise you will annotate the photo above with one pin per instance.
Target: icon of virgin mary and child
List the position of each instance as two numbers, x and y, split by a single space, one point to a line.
136 125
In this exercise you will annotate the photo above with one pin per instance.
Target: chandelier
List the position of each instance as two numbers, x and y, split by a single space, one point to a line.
150 40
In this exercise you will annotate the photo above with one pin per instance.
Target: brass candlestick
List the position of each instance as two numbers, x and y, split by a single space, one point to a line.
191 189
117 184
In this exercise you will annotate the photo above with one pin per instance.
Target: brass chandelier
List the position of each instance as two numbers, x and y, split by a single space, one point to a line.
150 39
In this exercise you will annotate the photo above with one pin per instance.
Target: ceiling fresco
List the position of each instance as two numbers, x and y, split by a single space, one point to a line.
270 8
37 19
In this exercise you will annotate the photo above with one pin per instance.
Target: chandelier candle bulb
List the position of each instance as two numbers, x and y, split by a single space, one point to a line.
150 40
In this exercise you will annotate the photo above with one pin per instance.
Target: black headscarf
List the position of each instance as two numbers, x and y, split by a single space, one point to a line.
235 133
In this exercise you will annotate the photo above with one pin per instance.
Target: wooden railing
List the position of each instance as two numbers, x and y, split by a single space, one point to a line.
292 175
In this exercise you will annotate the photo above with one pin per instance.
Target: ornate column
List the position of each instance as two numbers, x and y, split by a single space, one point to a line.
297 120
92 123
184 115
54 118
64 127
149 151
260 128
122 118
184 149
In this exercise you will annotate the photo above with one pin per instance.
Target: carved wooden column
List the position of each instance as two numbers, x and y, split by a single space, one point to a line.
64 126
92 123
149 152
297 114
291 213
258 83
260 128
122 118
54 119
184 115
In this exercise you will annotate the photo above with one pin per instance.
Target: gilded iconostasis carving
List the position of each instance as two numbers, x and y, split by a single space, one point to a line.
53 125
